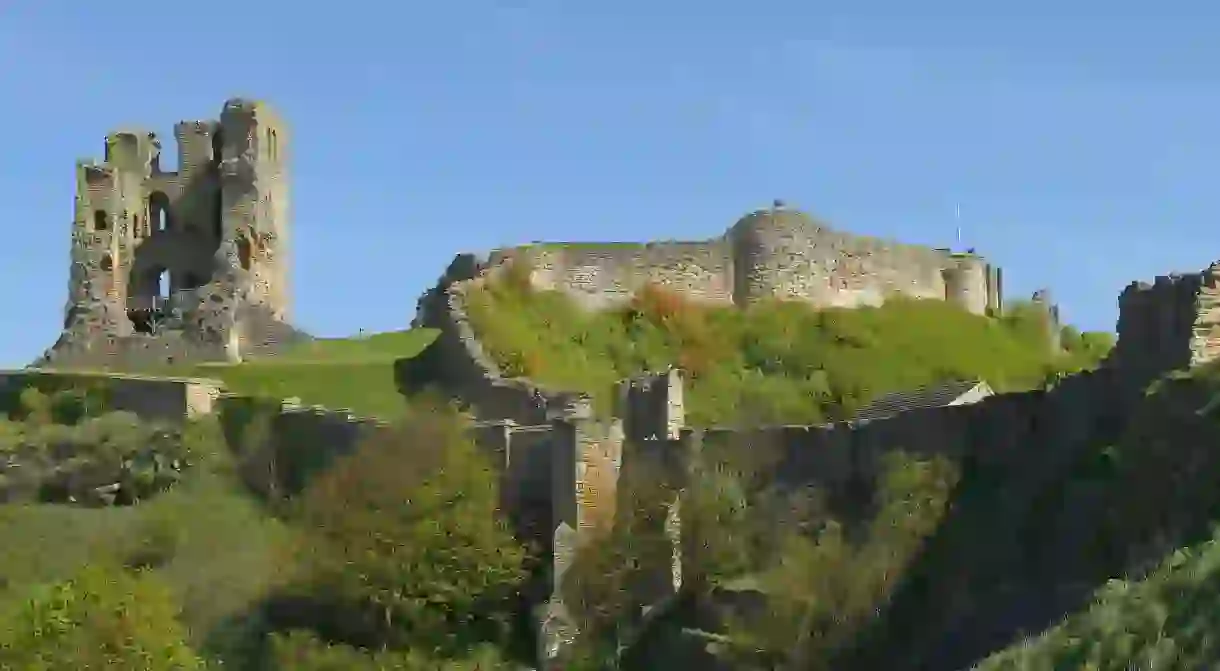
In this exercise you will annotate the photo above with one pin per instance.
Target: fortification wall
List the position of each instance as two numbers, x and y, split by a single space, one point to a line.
457 360
159 399
769 254
1023 431
603 274
793 258
1170 324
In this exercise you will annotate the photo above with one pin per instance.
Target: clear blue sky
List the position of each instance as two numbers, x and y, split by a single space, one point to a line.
1080 140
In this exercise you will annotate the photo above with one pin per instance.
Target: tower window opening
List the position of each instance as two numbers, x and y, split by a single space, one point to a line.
107 263
159 210
146 306
100 221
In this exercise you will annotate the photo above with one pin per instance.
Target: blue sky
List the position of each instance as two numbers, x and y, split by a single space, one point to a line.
1081 145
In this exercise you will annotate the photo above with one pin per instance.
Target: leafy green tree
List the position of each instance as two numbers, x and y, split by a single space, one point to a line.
405 536
820 583
103 618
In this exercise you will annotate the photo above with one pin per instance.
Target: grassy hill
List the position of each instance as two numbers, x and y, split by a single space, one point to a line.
355 373
778 362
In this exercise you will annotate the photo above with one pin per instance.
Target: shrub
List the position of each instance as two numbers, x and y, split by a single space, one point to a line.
405 535
823 583
103 618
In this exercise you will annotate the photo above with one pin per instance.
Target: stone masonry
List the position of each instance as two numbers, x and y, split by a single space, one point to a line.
181 265
771 253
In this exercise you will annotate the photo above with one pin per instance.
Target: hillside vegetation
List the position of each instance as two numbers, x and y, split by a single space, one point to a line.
1158 501
775 362
209 574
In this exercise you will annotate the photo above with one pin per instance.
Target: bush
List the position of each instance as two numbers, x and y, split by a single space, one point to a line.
405 537
103 618
70 462
823 584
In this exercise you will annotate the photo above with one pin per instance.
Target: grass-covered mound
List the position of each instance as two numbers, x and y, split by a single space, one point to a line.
355 373
776 362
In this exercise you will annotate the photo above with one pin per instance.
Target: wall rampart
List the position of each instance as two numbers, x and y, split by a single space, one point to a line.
791 257
604 274
769 254
457 360
1004 430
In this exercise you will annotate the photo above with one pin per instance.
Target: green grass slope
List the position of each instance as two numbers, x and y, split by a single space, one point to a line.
779 362
355 372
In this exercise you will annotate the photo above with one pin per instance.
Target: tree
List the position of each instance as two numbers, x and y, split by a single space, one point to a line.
103 618
405 536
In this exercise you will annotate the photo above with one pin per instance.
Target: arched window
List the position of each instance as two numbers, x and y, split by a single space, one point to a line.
100 221
107 263
159 211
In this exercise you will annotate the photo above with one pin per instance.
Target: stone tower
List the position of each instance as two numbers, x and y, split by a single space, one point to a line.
187 264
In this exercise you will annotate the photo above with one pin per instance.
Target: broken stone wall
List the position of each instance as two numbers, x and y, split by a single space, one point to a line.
254 202
132 352
157 399
790 258
457 361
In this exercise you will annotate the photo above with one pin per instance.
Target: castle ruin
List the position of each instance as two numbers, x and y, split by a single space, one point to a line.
773 253
181 265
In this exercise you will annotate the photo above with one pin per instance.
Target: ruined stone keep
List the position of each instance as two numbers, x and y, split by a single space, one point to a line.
773 253
187 264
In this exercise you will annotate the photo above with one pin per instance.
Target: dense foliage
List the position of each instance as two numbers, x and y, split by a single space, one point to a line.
105 619
775 362
405 537
60 447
